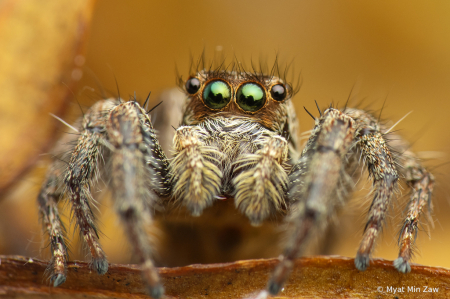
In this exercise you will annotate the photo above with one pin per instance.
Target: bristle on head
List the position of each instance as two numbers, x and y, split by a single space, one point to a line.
221 67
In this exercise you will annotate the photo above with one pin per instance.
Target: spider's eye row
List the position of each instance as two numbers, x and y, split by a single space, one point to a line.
217 94
250 97
192 85
278 92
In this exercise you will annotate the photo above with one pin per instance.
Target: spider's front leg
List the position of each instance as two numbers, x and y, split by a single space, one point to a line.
138 180
313 184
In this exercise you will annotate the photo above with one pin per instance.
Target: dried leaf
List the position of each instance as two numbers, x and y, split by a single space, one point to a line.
315 277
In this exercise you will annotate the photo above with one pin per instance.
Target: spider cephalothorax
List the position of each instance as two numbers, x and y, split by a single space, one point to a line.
237 139
238 128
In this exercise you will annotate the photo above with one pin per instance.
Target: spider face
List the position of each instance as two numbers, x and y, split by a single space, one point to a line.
237 138
258 98
232 122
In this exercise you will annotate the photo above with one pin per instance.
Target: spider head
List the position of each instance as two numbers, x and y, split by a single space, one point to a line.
257 97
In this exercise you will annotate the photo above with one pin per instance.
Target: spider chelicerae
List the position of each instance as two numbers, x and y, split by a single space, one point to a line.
237 139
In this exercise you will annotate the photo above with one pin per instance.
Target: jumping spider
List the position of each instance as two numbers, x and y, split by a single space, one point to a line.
237 139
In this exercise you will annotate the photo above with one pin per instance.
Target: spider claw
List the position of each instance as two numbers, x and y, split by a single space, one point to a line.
273 288
58 279
362 262
100 265
156 292
402 266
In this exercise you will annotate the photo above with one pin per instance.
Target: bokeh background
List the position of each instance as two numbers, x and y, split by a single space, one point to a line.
397 52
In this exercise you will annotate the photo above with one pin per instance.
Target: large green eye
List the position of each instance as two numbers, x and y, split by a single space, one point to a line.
251 97
217 94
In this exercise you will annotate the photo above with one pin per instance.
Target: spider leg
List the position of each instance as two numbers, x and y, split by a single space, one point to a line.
383 171
261 183
195 174
138 170
313 184
421 183
81 172
52 191
48 208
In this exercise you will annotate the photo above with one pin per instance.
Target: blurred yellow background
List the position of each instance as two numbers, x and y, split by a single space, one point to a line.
398 51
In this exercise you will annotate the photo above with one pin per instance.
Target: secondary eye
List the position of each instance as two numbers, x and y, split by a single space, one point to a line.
278 92
250 97
192 85
217 94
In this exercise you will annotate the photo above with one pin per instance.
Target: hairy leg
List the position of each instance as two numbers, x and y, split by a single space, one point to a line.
195 175
368 140
313 183
381 164
48 198
421 183
81 172
261 182
139 168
